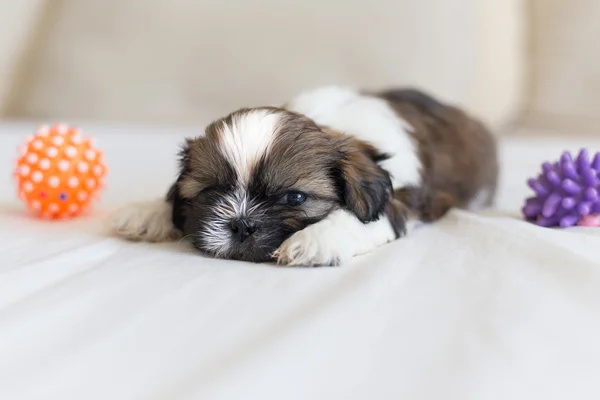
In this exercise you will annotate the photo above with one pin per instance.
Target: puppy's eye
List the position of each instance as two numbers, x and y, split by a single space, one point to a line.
295 198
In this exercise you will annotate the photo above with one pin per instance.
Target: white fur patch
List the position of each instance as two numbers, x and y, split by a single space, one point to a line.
146 221
216 233
247 140
334 240
369 119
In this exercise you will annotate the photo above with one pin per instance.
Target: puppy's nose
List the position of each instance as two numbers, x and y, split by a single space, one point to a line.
242 228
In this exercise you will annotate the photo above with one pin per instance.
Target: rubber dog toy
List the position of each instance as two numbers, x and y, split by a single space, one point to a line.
566 193
59 172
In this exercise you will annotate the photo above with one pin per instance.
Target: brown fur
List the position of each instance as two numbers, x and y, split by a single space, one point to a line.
333 170
457 152
366 186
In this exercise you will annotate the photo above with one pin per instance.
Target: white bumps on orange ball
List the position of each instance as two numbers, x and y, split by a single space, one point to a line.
59 172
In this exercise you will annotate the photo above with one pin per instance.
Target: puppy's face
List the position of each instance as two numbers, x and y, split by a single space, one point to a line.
259 175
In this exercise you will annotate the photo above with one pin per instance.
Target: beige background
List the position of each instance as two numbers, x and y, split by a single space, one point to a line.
565 78
188 61
18 25
149 61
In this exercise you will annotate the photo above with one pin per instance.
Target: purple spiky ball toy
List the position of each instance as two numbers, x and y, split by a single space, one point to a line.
567 193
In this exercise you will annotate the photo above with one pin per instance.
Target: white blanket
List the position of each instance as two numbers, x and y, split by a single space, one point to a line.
473 307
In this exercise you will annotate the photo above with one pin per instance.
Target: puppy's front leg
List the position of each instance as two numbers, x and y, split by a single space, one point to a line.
334 240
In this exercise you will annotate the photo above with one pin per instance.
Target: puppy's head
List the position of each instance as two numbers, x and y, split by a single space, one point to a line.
259 175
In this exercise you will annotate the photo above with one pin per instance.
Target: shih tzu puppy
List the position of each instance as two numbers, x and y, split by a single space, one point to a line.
332 174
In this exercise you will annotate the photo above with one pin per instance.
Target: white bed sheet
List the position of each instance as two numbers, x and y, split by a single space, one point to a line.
473 307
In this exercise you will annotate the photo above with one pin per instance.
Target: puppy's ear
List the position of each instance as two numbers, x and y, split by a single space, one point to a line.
175 195
176 201
365 187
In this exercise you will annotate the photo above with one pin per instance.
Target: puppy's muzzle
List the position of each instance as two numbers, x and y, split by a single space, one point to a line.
242 228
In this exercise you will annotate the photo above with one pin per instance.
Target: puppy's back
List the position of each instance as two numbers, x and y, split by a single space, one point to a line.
458 153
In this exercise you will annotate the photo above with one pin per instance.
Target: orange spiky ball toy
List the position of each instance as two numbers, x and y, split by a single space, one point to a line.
59 172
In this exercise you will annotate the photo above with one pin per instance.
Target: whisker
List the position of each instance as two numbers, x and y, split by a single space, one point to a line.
183 238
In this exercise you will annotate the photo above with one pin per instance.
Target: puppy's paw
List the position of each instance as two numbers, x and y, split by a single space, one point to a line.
148 221
316 245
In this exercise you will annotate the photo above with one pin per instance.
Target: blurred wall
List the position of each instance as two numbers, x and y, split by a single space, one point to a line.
18 21
565 78
187 61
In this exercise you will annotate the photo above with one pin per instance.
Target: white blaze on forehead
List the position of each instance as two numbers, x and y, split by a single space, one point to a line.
248 139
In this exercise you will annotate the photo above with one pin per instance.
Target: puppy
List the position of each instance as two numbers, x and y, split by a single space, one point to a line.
332 174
